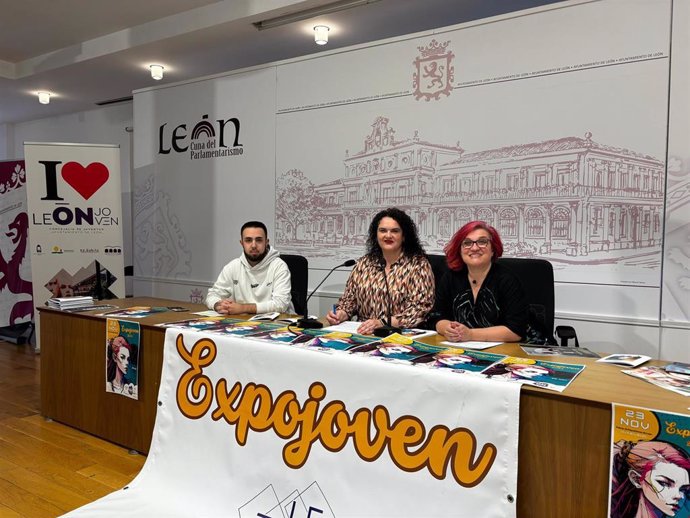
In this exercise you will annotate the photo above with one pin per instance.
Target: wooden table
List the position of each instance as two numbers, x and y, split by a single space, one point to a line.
564 441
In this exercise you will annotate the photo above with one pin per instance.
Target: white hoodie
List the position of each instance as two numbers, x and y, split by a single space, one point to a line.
267 284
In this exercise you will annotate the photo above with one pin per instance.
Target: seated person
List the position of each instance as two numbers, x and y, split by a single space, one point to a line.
396 257
256 282
478 300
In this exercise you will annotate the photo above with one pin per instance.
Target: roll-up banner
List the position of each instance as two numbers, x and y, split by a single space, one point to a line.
75 220
15 265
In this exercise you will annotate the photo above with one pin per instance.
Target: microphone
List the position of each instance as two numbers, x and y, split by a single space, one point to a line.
312 323
387 328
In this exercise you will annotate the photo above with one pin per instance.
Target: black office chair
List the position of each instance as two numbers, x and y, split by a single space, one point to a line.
536 276
299 273
438 265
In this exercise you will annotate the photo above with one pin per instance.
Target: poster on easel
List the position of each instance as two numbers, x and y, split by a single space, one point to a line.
16 306
650 463
75 220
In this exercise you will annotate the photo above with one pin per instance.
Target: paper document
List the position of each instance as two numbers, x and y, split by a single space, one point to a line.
266 316
472 345
349 326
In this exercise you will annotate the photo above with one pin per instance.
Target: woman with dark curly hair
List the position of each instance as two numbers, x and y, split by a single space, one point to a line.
396 257
477 299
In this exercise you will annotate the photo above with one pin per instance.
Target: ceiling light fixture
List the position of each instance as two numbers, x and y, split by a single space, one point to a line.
44 97
157 72
321 34
310 13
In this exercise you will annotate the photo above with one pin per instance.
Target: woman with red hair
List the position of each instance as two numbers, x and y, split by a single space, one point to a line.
118 358
650 479
478 299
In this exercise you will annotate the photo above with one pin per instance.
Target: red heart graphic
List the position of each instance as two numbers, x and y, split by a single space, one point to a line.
85 180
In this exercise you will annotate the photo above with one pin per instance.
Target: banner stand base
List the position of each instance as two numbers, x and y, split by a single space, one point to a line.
17 333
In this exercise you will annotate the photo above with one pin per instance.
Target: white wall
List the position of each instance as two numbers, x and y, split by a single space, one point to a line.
603 326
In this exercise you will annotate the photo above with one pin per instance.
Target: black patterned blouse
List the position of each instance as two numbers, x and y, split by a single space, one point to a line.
411 284
500 301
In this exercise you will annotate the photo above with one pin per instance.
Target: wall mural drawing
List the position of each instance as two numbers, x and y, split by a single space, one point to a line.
572 200
160 247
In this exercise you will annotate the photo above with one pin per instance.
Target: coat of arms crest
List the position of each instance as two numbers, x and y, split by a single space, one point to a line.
434 72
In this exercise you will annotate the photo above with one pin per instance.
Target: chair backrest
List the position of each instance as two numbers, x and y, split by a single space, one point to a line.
438 266
536 276
299 274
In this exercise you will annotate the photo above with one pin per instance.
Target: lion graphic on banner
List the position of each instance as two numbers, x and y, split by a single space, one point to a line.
10 275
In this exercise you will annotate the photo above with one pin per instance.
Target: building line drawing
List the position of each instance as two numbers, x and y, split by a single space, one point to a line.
570 199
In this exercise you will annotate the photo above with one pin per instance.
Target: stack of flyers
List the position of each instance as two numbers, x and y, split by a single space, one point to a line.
461 360
134 312
244 328
203 323
674 381
543 374
544 350
330 341
282 334
397 348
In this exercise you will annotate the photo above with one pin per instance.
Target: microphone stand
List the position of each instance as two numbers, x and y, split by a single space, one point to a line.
312 323
387 328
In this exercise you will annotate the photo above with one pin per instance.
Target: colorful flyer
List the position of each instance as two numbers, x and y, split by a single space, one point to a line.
281 335
122 342
397 348
650 463
461 361
673 381
543 374
135 312
555 350
203 323
245 327
330 341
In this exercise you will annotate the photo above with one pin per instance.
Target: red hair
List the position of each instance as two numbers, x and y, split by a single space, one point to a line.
453 249
640 458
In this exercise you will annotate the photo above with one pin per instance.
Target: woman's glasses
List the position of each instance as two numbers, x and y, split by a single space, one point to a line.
482 242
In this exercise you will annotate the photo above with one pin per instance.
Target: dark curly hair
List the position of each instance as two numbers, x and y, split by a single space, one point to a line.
410 245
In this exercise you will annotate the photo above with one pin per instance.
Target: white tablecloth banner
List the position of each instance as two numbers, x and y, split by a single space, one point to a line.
253 429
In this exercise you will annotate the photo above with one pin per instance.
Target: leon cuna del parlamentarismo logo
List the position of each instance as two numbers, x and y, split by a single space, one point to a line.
208 139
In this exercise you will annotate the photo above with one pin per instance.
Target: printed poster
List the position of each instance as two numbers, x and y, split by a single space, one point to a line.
650 463
462 361
122 343
538 373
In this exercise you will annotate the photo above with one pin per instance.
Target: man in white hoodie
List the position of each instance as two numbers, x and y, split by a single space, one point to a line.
256 282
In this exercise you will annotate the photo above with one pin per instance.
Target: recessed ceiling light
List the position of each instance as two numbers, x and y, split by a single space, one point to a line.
44 97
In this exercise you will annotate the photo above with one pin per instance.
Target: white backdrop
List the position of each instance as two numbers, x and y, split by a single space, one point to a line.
188 210
551 125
